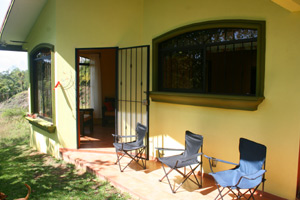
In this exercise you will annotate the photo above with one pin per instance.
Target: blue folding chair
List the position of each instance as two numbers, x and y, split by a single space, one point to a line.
248 174
137 145
189 157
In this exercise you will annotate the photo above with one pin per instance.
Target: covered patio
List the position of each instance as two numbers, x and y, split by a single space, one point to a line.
140 183
97 155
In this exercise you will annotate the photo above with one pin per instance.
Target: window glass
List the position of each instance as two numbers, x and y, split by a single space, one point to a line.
84 82
209 61
42 83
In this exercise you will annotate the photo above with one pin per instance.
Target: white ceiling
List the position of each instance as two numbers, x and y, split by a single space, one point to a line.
20 20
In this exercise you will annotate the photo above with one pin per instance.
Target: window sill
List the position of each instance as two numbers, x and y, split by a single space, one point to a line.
218 101
42 124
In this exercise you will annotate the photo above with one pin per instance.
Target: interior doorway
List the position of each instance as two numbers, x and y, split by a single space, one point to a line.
96 94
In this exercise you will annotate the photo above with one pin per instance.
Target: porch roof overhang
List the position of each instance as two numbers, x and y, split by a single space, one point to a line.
20 18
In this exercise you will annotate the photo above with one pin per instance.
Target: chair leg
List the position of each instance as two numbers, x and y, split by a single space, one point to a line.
138 157
135 158
166 175
186 176
252 194
250 191
221 190
118 159
193 170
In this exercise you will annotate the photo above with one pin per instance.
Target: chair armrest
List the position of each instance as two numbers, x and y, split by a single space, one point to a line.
168 149
216 159
255 175
124 136
219 160
190 157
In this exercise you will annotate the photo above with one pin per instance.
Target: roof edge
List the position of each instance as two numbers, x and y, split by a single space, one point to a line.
6 18
9 47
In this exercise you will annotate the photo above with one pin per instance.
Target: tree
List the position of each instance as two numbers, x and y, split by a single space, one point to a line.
13 82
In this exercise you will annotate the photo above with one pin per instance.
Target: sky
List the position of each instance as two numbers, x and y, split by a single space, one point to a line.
10 59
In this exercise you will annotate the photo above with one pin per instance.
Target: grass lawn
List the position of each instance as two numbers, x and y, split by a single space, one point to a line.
49 178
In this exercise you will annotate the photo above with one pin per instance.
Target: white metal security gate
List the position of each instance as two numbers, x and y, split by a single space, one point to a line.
132 90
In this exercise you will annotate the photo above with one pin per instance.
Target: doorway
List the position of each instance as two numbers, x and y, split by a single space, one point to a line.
112 94
96 94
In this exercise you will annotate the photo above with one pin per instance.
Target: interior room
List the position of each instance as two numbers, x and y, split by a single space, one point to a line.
96 96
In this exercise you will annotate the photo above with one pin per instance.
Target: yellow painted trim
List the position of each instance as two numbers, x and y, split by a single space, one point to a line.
219 101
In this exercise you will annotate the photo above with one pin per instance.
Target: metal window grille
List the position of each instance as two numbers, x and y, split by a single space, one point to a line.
84 83
214 61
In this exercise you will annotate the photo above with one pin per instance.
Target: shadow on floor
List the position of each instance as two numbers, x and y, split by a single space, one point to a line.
101 137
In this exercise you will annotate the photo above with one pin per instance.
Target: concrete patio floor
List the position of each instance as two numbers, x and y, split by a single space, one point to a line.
140 183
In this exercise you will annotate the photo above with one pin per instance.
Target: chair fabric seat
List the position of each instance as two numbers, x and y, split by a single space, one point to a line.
129 146
193 143
124 148
248 174
171 161
230 178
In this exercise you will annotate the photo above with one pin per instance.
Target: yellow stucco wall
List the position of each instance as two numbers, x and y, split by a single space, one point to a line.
87 25
275 123
44 31
72 24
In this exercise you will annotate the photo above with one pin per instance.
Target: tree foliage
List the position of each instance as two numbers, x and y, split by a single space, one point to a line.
13 82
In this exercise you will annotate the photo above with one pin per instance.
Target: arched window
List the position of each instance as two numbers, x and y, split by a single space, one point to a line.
41 82
220 58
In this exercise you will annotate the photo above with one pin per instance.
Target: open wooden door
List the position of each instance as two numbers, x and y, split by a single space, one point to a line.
132 90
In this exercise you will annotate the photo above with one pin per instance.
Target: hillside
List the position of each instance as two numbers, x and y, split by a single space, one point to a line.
19 100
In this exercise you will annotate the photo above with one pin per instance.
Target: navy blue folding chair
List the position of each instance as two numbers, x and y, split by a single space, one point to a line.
247 175
127 148
189 157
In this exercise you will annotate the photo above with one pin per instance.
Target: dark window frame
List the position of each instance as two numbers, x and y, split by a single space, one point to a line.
84 86
34 79
213 100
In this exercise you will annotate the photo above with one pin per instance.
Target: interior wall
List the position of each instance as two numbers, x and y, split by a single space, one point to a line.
275 123
108 72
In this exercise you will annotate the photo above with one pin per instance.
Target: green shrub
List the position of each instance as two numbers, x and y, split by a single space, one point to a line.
14 112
